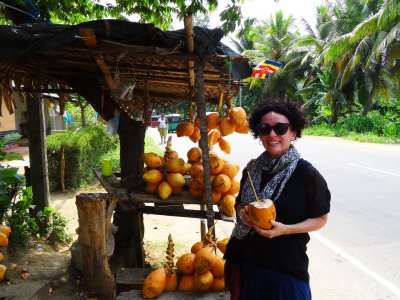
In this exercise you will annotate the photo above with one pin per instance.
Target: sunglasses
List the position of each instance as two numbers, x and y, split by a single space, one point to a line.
279 128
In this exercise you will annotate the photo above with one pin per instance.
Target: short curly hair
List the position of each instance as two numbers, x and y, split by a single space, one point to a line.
290 110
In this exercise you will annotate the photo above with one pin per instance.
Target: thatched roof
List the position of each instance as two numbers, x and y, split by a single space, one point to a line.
85 58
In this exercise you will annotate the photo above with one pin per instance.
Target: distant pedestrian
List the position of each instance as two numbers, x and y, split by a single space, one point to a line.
162 128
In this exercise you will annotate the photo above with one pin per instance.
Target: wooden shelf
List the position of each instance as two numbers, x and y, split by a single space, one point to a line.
175 205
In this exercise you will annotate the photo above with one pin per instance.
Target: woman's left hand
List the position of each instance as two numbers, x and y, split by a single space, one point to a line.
277 229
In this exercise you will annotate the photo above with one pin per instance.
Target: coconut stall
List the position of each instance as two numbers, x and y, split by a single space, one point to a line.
135 68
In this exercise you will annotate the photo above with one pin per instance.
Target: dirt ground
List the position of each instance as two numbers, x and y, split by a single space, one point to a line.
44 262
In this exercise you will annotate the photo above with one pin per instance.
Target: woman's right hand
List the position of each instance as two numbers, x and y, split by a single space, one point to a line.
244 215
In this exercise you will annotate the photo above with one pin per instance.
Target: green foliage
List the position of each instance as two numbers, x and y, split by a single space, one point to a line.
84 149
52 225
23 225
75 109
16 205
161 13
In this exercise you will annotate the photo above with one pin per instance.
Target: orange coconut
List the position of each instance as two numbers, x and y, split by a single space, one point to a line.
224 145
242 128
195 191
212 120
221 183
195 136
228 205
194 155
230 169
171 282
218 267
203 281
226 126
218 285
3 270
175 165
184 129
5 229
235 186
237 115
175 180
154 283
185 263
152 176
196 169
186 168
215 135
196 247
152 160
186 284
204 260
164 190
176 190
216 164
151 188
215 197
262 212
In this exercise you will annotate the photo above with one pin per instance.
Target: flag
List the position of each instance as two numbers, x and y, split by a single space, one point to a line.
265 68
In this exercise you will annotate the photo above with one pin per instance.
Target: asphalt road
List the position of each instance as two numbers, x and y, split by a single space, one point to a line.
356 255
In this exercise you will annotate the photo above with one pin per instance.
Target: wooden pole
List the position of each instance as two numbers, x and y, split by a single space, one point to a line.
62 168
37 151
201 104
94 213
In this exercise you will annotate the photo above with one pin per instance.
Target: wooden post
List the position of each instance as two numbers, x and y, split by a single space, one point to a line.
94 213
129 251
37 151
62 168
201 104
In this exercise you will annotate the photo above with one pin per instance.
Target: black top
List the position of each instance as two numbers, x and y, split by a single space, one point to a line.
305 195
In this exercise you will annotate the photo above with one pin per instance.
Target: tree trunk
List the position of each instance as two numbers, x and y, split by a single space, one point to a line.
95 212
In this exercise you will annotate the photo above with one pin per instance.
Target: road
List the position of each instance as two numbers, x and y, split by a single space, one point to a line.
356 256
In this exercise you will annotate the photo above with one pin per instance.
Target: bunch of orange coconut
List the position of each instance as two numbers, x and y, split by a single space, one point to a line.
4 235
218 126
224 186
164 174
200 270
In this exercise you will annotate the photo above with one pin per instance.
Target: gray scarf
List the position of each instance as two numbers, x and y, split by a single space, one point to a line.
281 168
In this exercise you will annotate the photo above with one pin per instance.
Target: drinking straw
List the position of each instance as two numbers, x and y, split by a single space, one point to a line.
252 185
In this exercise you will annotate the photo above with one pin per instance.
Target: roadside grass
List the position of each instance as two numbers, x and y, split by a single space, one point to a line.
156 251
340 131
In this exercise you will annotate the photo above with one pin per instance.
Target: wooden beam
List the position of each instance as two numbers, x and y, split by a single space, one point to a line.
100 61
89 38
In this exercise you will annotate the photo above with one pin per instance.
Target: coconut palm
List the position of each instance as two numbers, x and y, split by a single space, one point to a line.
368 55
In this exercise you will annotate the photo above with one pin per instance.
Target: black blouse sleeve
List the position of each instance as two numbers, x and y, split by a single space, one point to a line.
318 194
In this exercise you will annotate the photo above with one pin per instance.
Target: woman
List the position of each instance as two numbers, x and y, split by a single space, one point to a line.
273 264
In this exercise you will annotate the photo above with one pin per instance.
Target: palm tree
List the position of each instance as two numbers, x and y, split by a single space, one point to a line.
368 55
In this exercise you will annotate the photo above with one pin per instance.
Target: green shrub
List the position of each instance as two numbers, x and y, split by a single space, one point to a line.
391 130
378 122
357 123
83 150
